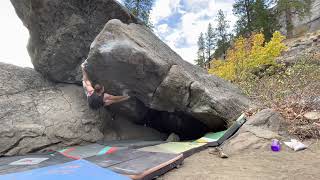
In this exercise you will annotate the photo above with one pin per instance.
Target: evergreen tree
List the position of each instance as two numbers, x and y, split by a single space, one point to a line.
222 35
264 19
209 43
141 9
243 9
255 16
291 8
201 59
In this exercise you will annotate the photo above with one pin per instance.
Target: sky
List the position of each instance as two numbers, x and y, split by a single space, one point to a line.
177 22
13 37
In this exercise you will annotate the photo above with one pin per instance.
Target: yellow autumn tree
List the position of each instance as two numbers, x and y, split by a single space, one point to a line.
247 54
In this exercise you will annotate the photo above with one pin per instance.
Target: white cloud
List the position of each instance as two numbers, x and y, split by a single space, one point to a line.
163 9
195 17
14 37
163 28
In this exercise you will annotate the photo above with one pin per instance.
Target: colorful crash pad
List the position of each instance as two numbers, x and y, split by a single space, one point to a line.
138 164
79 169
212 139
31 161
79 152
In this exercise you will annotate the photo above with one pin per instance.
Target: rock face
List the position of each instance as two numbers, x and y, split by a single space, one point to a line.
301 47
131 58
309 23
36 114
61 32
256 133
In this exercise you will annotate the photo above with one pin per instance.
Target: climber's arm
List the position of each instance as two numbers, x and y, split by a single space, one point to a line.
85 80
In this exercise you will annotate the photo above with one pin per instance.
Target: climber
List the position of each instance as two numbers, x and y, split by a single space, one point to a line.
96 95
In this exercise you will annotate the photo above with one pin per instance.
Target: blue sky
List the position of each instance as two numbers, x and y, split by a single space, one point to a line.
180 22
177 22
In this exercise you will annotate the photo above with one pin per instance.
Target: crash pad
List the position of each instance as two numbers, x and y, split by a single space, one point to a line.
185 148
130 143
229 132
79 152
138 164
79 169
31 161
211 139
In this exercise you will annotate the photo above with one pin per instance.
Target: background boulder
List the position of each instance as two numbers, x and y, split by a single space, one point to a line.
130 58
257 133
61 32
36 114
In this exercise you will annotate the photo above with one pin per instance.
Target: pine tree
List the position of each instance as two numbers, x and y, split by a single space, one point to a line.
222 35
200 61
291 8
141 9
243 9
209 43
264 19
255 16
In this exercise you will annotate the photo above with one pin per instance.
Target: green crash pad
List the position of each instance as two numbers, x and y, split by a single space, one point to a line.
185 148
229 132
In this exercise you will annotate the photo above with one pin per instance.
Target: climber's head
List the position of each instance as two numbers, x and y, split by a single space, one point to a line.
95 101
99 89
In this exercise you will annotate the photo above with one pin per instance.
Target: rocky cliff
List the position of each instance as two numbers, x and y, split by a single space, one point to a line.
307 24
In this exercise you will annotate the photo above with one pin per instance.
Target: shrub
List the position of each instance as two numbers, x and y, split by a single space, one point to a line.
292 92
248 54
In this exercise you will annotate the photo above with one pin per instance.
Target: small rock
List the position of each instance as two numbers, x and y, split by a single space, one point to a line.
173 138
218 151
313 115
223 155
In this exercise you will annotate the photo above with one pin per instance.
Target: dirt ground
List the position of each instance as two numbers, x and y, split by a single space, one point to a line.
263 164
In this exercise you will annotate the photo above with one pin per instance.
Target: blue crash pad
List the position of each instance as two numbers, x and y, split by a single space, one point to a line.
79 170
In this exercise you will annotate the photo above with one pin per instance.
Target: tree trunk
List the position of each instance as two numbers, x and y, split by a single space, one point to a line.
247 5
138 7
289 25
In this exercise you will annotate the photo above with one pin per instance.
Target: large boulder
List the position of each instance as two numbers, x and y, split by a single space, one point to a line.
130 58
257 133
61 32
36 114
